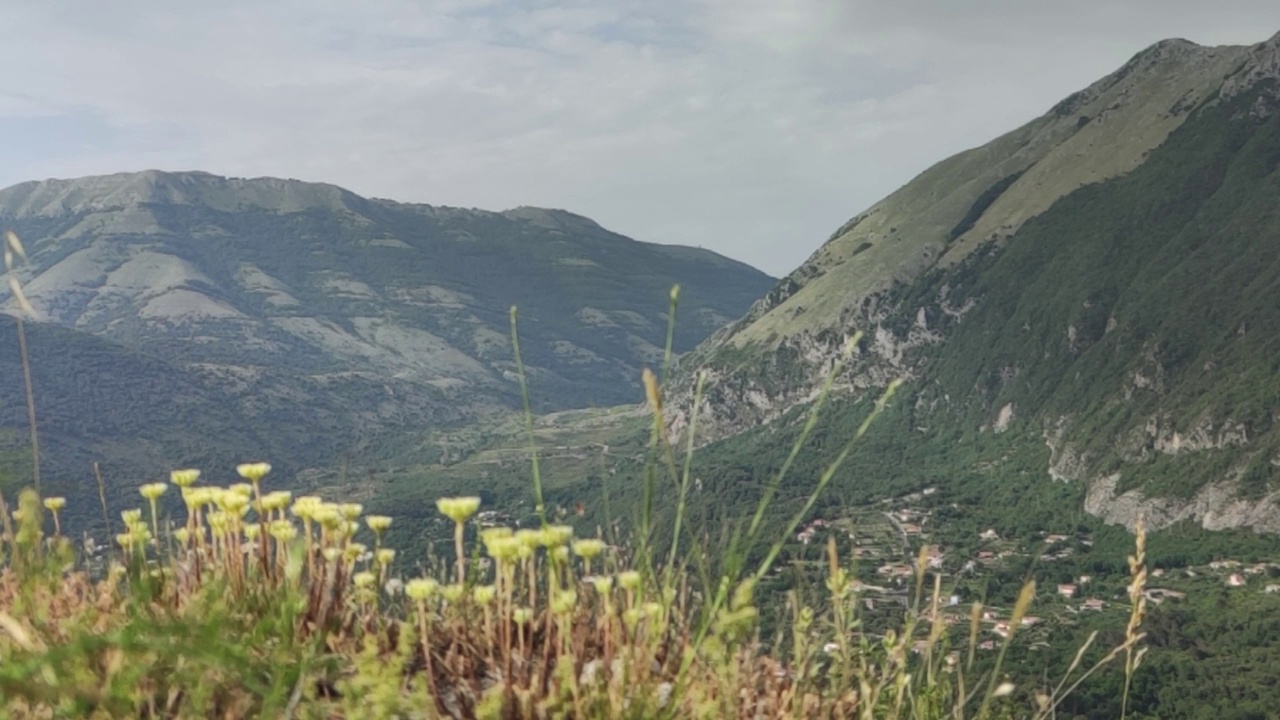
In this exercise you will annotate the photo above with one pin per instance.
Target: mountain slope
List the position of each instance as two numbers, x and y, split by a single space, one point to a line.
351 320
1101 281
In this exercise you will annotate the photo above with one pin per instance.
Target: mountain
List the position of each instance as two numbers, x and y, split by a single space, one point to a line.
323 322
1085 307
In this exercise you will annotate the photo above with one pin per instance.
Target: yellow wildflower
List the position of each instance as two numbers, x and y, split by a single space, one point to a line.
184 478
458 509
253 472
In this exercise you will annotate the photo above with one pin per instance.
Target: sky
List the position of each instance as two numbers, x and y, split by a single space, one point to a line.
750 127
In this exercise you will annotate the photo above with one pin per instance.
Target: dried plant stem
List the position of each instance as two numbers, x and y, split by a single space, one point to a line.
31 404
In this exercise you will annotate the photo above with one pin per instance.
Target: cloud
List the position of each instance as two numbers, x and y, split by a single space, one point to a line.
752 127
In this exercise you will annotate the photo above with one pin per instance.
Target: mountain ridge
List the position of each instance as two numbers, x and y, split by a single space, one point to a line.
279 292
911 273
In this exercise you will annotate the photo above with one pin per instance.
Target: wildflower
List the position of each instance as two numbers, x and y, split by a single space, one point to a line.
124 539
363 579
331 553
283 530
354 551
629 580
522 615
420 589
564 602
378 523
560 554
453 593
184 478
305 507
328 516
484 594
489 535
182 535
131 517
197 497
54 504
529 538
631 616
252 531
556 535
219 521
504 549
653 610
253 472
458 509
588 549
384 556
152 491
244 490
394 587
277 500
235 503
350 511
603 584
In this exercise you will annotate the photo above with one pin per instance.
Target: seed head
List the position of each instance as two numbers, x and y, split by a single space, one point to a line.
458 509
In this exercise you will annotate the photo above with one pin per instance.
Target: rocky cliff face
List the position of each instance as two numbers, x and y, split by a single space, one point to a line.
1033 282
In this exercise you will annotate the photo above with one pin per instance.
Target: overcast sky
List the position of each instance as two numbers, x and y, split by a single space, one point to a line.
751 127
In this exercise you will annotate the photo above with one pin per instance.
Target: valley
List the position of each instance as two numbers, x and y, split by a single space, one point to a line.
1084 315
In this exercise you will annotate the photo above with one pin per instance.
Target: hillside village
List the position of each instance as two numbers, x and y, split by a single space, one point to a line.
892 541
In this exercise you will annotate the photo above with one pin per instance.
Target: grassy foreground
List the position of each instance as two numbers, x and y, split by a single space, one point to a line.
259 604
255 603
